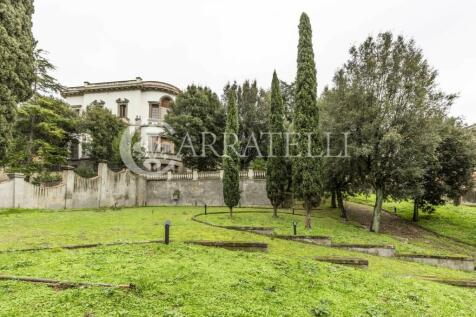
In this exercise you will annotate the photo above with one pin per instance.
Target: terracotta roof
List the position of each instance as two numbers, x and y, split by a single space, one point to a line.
136 84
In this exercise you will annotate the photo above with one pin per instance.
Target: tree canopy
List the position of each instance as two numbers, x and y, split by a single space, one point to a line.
16 63
389 105
197 113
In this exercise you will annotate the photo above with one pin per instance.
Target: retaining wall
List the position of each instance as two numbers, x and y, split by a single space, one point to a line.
456 263
126 189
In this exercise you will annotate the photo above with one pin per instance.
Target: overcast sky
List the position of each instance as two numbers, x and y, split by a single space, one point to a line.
210 42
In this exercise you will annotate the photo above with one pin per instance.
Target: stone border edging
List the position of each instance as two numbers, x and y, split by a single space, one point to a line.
343 261
232 245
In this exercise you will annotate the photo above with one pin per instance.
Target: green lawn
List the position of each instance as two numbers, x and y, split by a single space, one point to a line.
458 222
185 280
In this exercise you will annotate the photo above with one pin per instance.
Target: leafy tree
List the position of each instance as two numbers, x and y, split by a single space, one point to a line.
389 109
449 171
306 169
198 113
276 175
231 161
101 127
43 130
457 157
16 63
138 151
342 173
44 82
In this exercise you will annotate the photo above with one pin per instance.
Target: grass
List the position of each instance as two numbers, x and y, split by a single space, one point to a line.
185 280
457 222
328 223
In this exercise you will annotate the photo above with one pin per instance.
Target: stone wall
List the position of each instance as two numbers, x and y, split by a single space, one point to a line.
125 189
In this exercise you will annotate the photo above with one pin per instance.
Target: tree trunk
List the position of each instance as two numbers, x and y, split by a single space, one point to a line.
416 214
340 203
333 199
275 211
375 226
231 212
308 215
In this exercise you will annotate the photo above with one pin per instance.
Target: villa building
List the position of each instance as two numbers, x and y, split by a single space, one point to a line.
141 104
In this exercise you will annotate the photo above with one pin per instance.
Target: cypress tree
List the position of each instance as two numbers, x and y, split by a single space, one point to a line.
231 160
16 63
276 170
306 169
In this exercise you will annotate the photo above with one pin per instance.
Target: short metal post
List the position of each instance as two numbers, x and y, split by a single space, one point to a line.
167 232
293 211
295 227
394 210
205 209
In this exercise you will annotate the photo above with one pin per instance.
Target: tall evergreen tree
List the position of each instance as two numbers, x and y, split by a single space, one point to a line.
253 106
231 160
276 175
16 63
306 169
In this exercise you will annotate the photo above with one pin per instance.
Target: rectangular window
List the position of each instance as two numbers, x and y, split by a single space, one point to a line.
154 143
166 147
123 111
74 150
154 112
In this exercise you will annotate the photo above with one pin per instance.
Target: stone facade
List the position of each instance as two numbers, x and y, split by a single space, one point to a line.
141 104
126 189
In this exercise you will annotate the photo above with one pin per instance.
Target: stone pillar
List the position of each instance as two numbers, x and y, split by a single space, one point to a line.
195 175
251 173
68 180
18 189
141 194
169 175
221 174
103 184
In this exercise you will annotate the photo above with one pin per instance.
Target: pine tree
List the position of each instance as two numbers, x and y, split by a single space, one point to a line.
231 160
16 63
306 169
276 171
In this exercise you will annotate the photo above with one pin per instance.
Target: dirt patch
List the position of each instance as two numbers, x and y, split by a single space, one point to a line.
389 223
404 230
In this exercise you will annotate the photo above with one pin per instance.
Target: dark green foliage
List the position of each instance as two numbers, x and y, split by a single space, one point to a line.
16 63
306 169
287 90
197 110
389 105
457 157
86 170
44 82
276 175
253 107
231 161
43 130
102 128
138 152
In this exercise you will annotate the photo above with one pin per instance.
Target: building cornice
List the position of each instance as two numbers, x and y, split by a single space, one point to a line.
137 84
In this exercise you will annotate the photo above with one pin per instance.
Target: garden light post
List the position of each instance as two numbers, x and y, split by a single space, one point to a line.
295 227
167 231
